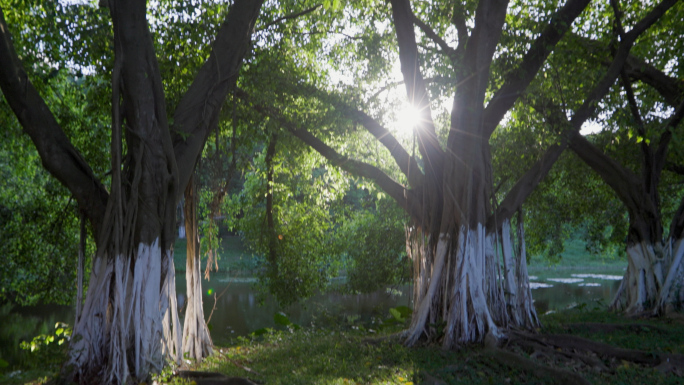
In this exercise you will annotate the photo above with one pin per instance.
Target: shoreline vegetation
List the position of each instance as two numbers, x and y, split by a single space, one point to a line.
574 346
347 351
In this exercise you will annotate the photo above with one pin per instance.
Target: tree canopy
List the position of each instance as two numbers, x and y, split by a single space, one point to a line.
455 111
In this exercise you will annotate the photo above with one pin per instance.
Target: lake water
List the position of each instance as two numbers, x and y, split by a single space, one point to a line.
238 311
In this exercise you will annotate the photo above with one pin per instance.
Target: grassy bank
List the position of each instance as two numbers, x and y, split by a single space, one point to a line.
366 354
349 356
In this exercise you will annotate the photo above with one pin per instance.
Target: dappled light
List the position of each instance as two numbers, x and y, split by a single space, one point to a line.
341 192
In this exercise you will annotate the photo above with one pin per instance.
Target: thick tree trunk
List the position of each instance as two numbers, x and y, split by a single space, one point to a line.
120 333
461 293
120 336
643 279
196 339
519 303
671 295
654 280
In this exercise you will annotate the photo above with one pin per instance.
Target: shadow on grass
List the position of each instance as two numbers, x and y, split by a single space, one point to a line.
355 357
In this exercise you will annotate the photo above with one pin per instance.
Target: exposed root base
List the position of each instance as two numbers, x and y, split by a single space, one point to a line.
576 352
611 328
211 378
562 376
561 358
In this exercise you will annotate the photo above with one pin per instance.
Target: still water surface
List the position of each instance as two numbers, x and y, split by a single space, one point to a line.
238 312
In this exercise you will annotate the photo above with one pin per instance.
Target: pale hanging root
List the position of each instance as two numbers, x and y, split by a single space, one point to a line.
89 330
672 291
640 286
519 303
509 267
171 344
525 306
121 316
196 339
494 285
469 318
416 248
464 288
423 308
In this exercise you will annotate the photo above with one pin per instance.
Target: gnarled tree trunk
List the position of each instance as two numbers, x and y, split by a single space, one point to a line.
119 336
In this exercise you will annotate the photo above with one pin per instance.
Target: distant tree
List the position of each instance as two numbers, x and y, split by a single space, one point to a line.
654 280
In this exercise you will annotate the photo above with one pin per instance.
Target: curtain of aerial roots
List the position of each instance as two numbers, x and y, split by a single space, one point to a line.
517 291
120 332
196 339
460 294
654 280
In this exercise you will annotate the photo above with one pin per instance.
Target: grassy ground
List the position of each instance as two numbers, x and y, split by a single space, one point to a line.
355 354
349 356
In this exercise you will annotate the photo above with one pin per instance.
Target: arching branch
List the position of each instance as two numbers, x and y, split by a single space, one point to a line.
289 17
57 153
198 111
404 197
429 32
517 81
415 84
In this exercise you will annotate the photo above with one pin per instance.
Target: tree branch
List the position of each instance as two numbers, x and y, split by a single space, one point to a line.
198 111
634 109
619 178
666 137
589 106
675 168
429 32
526 185
290 16
439 79
415 84
517 81
670 88
406 162
57 154
404 197
458 20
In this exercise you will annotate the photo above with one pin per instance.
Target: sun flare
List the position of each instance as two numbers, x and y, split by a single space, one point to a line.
407 118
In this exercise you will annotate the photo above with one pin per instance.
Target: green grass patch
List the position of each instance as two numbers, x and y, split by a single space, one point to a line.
344 356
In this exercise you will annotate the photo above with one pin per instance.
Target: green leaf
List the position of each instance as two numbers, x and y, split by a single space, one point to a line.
261 331
396 314
281 319
405 311
3 363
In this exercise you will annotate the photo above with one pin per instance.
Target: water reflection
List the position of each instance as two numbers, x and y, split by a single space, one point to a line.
564 295
238 311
